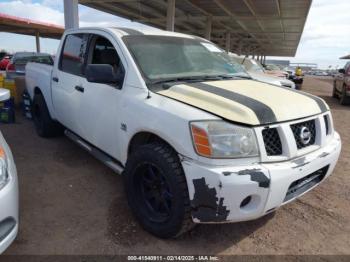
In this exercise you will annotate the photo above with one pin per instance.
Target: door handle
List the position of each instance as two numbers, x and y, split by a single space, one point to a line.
79 88
55 79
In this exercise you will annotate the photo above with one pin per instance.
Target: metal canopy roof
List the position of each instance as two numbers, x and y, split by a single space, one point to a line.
266 27
17 25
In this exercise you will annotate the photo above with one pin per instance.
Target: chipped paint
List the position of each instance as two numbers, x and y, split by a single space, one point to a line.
324 154
256 175
206 206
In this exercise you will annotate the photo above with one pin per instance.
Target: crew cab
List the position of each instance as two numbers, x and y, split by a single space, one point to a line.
341 85
195 139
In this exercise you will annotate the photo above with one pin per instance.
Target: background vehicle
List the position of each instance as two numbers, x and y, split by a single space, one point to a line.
4 62
2 54
275 71
341 85
320 73
257 72
8 190
190 133
16 66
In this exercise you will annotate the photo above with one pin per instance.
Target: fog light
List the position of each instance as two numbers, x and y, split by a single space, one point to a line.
246 201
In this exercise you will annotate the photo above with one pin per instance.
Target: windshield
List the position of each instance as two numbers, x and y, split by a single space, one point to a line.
164 57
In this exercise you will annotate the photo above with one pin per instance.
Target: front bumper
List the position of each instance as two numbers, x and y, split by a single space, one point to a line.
8 203
240 193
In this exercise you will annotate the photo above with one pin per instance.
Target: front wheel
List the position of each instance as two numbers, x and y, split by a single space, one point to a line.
334 94
344 99
157 191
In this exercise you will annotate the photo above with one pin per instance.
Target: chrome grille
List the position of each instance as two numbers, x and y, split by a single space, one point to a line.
272 142
297 129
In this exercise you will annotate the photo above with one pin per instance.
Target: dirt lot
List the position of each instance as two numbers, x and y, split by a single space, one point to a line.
72 204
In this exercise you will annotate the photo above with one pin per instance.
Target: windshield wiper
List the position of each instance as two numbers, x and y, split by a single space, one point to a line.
200 78
236 75
185 79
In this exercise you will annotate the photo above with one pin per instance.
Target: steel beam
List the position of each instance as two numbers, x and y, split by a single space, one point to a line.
71 16
37 40
208 27
170 16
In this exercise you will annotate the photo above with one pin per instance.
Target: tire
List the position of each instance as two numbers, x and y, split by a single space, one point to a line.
344 99
334 93
44 125
157 190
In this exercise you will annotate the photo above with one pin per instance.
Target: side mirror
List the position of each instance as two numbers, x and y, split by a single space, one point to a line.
103 74
341 71
4 94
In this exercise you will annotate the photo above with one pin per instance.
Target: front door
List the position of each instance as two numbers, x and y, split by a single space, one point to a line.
99 112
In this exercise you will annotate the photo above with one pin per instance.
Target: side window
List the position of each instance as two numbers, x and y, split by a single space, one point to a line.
72 56
347 68
102 51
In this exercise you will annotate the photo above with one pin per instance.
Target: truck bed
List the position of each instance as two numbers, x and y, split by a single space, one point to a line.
39 75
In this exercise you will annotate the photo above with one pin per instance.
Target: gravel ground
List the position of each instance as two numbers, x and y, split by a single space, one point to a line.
72 204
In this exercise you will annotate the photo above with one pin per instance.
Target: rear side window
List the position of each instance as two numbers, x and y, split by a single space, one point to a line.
37 59
72 57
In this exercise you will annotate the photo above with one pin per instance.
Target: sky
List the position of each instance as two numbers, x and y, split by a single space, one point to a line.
326 35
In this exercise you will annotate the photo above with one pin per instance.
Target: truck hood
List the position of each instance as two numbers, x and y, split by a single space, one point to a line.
246 101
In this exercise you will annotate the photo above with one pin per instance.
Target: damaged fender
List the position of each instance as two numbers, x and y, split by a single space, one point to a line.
216 194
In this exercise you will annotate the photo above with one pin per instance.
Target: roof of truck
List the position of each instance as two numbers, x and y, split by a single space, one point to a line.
122 31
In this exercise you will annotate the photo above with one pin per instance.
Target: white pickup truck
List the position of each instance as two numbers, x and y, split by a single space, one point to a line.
195 139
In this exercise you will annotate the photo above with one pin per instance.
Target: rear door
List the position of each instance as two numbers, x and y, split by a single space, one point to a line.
67 80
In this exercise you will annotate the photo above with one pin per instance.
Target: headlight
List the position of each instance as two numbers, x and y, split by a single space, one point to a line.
3 169
218 139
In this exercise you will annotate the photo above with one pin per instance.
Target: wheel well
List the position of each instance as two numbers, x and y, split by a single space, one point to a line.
37 91
144 138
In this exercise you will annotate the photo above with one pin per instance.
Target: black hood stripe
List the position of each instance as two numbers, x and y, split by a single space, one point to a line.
263 112
321 104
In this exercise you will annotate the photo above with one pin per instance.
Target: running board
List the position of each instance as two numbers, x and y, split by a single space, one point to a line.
106 159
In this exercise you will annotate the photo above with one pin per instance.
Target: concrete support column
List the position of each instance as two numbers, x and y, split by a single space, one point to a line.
170 16
240 45
228 42
37 40
264 60
208 27
71 16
